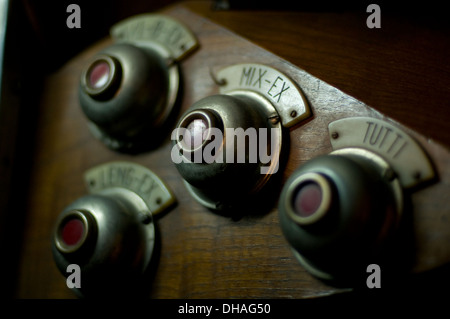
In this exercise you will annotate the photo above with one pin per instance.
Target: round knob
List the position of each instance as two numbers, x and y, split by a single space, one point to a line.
127 92
102 77
224 142
76 232
339 212
110 236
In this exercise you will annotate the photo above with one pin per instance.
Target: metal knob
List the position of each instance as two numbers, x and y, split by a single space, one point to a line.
128 92
339 212
227 149
111 237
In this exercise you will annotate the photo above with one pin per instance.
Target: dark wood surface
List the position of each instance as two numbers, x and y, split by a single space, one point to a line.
400 70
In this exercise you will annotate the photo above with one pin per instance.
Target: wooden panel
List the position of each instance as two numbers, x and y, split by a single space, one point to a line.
204 255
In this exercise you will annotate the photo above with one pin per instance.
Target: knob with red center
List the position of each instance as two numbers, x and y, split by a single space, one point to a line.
75 230
196 129
338 211
127 93
102 77
72 232
108 235
227 150
311 198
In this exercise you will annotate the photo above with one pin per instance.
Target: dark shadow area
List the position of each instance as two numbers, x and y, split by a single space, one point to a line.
114 287
58 42
262 202
22 76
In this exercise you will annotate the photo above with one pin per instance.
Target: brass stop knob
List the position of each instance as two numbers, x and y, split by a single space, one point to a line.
130 91
110 232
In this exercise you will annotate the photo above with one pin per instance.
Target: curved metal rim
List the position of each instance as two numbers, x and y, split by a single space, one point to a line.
59 242
204 200
384 168
174 77
269 111
139 209
205 115
316 272
114 69
324 204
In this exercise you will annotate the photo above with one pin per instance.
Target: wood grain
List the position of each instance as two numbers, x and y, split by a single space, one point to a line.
205 255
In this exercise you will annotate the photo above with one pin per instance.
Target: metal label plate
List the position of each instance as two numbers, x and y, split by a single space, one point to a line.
165 31
278 88
134 177
400 150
